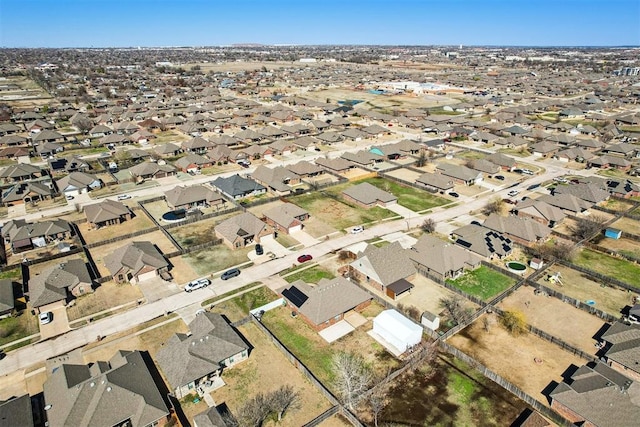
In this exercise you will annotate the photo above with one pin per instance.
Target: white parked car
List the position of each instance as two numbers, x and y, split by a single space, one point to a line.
528 172
45 317
358 229
123 197
513 193
197 284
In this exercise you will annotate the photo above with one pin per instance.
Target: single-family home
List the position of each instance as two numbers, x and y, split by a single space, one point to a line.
278 180
338 165
78 183
325 303
241 230
505 162
151 170
589 192
483 241
194 362
441 260
622 348
136 262
238 187
57 285
26 192
368 195
20 172
23 236
566 202
544 149
305 169
523 230
540 211
7 298
435 182
286 218
108 212
188 197
192 163
460 174
119 392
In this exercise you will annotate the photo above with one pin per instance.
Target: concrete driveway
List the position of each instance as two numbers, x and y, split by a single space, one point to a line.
402 211
156 289
305 238
271 245
58 326
398 236
336 331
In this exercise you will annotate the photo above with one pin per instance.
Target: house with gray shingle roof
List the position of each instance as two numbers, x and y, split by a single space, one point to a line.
380 267
7 298
505 162
135 262
108 212
26 192
192 163
437 258
151 170
17 411
241 230
237 187
521 229
78 183
363 158
20 172
623 348
540 211
22 235
368 196
589 192
305 169
460 174
325 304
337 165
483 241
278 180
435 182
181 197
105 394
286 218
567 202
59 284
193 362
597 395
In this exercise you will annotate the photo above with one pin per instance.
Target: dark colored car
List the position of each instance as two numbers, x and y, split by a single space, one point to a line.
230 274
305 258
259 249
499 177
453 194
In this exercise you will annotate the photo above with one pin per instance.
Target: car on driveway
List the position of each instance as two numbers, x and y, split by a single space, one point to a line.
499 177
230 274
124 197
197 284
69 197
304 258
513 193
259 249
45 317
454 194
358 229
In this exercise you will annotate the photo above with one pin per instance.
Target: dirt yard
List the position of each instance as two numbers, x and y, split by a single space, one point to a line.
157 237
107 295
372 101
317 228
577 285
555 317
514 357
617 205
216 258
139 222
425 295
627 224
265 370
405 174
198 232
622 245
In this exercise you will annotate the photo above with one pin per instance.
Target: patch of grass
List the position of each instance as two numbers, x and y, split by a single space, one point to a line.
308 275
482 282
617 268
411 198
13 274
286 240
15 328
228 294
216 258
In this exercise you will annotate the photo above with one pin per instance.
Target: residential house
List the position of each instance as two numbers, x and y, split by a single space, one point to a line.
68 164
23 236
460 174
237 187
282 147
622 149
14 152
589 192
483 241
286 218
197 145
181 197
241 230
192 163
566 202
622 188
364 159
106 213
17 411
381 267
484 137
441 260
305 169
523 230
435 182
167 150
575 154
278 180
151 170
78 183
610 162
329 137
136 262
368 196
337 165
595 395
20 172
48 150
325 303
26 192
57 285
622 348
193 362
484 166
540 211
120 392
7 298
308 143
505 162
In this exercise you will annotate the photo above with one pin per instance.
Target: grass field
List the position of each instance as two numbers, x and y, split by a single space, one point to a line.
617 268
307 275
238 308
338 214
14 328
409 197
216 258
483 283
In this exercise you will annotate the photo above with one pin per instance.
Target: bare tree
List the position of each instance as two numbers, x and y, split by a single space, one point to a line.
83 124
283 399
586 228
410 311
469 163
422 159
254 411
454 306
495 205
428 225
558 251
352 377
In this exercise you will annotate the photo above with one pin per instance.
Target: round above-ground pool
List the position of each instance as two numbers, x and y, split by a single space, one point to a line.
516 267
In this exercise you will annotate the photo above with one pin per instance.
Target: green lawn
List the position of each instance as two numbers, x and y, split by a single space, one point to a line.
14 328
617 268
13 274
483 283
308 275
411 198
238 307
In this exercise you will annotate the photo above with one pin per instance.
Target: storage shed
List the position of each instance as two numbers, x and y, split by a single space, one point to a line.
397 330
612 233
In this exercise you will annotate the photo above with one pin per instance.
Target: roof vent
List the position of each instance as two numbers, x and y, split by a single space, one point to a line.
109 388
92 384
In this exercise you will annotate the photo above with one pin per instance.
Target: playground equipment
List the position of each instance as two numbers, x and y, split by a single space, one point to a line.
555 278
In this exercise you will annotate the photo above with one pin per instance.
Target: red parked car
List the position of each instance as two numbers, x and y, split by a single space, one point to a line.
305 258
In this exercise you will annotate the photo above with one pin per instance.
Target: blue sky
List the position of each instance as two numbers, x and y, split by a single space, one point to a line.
120 23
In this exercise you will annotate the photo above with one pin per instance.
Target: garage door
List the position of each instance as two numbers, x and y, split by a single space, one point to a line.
295 228
71 193
147 276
